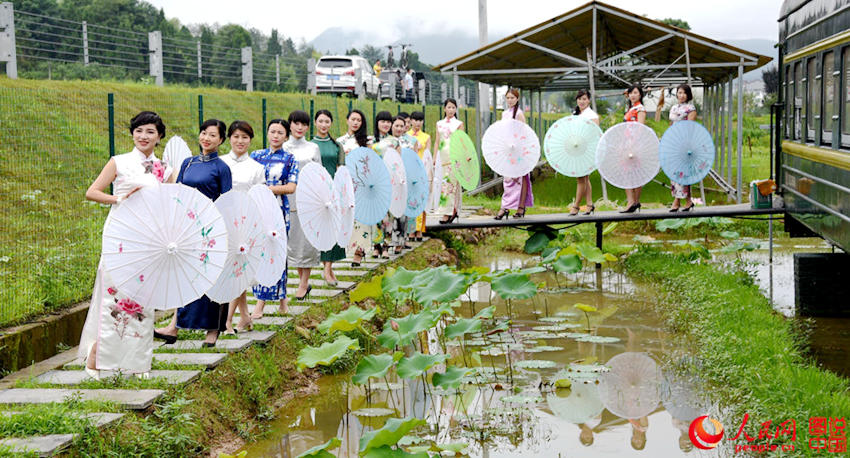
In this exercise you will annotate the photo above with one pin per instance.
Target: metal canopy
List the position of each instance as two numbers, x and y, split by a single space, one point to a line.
621 47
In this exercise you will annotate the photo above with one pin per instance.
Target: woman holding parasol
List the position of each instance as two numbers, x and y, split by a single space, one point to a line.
517 190
450 199
682 111
333 157
583 186
357 136
635 113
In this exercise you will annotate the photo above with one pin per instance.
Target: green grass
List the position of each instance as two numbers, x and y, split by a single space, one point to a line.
751 357
54 142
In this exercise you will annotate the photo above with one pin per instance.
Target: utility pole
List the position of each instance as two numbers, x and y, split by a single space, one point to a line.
482 101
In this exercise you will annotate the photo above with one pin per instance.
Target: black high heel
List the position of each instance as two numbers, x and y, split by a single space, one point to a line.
590 210
675 209
169 339
307 293
502 214
449 221
688 208
631 208
519 213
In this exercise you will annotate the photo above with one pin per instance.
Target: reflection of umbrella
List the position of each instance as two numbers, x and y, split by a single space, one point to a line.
317 206
679 397
627 155
436 183
417 183
570 146
372 189
511 148
274 249
464 159
686 152
246 237
165 246
344 189
398 179
176 151
581 405
630 389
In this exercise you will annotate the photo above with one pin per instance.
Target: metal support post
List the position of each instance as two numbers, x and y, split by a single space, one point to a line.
248 68
443 91
200 110
155 55
358 84
8 51
312 109
721 134
729 106
599 245
85 43
311 76
591 81
740 128
200 73
461 99
539 113
265 131
393 86
421 91
456 85
495 102
277 69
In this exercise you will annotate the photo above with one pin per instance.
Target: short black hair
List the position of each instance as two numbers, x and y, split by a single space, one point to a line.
280 121
240 125
417 116
299 116
148 117
381 116
403 115
214 122
324 112
687 90
632 88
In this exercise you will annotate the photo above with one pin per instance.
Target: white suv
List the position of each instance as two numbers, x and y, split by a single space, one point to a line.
337 74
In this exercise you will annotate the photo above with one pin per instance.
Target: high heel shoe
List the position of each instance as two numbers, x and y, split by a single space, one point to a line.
590 210
502 214
169 339
675 209
307 293
688 208
573 210
449 221
631 208
249 327
520 213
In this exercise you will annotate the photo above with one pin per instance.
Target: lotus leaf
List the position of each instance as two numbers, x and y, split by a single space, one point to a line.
665 224
450 379
396 283
456 447
321 451
549 255
374 412
410 440
573 335
610 257
597 368
418 363
542 348
537 242
408 328
597 339
372 366
553 319
420 449
447 308
553 327
463 326
610 228
444 286
325 354
532 270
367 289
535 364
585 308
570 263
347 320
486 312
519 399
389 435
591 253
388 452
514 286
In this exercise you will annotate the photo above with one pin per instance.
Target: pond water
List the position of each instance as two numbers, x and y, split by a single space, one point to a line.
548 387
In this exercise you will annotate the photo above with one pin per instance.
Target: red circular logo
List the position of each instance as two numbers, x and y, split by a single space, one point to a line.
703 439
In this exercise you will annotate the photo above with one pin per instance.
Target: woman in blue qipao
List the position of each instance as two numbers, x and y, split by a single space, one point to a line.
281 173
211 176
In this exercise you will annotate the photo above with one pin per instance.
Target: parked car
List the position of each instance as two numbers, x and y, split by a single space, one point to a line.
338 75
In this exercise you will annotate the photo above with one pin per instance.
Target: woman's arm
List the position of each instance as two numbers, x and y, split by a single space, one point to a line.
520 116
107 175
692 116
280 189
641 117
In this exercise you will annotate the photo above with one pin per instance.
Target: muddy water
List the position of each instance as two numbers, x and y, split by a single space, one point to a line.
509 408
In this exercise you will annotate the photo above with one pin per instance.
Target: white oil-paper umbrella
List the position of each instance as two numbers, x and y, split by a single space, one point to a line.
398 179
273 253
317 207
165 246
344 190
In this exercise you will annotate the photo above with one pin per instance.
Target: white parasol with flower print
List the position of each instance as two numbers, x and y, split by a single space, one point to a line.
164 246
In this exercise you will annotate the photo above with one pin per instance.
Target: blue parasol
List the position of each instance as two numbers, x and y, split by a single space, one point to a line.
686 152
570 146
372 188
417 183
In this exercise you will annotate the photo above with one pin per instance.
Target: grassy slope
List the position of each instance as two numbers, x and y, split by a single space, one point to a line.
54 142
748 353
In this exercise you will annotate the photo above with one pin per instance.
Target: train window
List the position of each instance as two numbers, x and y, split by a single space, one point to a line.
845 128
799 90
813 103
828 96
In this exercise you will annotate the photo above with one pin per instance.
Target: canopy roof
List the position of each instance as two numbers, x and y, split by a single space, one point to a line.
623 47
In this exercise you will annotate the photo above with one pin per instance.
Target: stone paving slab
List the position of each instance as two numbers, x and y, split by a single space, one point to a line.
294 310
100 419
257 336
321 282
271 321
350 273
208 360
230 345
310 300
48 445
128 399
76 377
315 292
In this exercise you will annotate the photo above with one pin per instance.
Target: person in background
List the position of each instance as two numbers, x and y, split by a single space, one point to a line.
281 176
382 234
423 140
517 191
300 253
377 67
682 111
245 173
211 176
583 186
408 86
333 157
100 345
407 121
357 137
450 196
635 113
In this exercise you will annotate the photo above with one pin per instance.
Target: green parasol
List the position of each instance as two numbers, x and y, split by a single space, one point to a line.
464 160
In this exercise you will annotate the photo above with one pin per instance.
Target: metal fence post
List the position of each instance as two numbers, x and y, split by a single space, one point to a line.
155 55
200 110
443 91
312 124
85 43
461 98
248 68
200 74
7 39
422 90
350 105
265 131
374 114
277 69
393 84
311 76
110 108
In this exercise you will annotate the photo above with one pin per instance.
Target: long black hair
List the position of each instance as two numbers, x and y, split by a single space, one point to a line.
382 116
453 102
687 90
361 135
629 91
329 115
581 93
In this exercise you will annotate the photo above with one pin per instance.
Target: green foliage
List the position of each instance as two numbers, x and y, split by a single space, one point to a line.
372 366
462 327
321 451
451 378
417 363
514 286
347 320
327 353
570 264
367 289
440 286
680 23
389 435
408 327
537 242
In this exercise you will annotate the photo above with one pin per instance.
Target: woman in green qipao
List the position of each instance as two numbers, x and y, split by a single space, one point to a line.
333 157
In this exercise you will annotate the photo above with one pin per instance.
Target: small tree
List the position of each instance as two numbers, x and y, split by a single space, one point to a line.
771 80
372 53
680 23
352 52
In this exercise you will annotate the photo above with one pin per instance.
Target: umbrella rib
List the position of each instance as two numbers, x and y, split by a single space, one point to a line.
185 232
124 239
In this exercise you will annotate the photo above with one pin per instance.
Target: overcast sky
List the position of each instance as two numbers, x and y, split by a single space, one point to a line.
719 19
